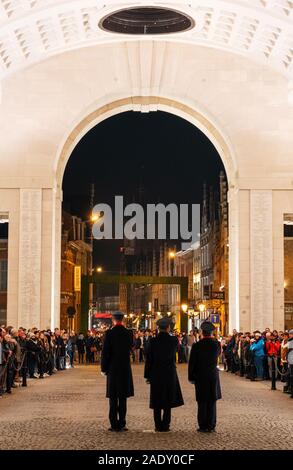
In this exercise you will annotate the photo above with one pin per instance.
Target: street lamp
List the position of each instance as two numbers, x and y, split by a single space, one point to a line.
94 217
184 308
201 309
99 269
172 255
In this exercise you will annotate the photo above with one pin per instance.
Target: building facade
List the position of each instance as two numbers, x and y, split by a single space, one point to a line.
214 243
76 260
206 264
288 271
147 258
188 263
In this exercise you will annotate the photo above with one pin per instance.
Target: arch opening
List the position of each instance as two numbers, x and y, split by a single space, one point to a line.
96 113
104 118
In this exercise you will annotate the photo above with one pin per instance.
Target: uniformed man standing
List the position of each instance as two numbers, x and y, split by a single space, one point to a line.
160 372
204 374
115 364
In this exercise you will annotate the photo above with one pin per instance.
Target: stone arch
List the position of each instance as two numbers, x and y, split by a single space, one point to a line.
145 104
190 113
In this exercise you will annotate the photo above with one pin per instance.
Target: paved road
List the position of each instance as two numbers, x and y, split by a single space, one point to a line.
69 411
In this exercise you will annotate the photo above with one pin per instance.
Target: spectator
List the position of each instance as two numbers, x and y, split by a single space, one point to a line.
190 341
98 343
89 348
71 344
290 362
146 341
59 349
228 352
284 362
33 350
181 349
80 343
257 349
273 348
136 347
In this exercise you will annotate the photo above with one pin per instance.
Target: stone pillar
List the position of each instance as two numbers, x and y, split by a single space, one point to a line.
30 250
244 261
51 230
233 198
261 259
56 258
239 260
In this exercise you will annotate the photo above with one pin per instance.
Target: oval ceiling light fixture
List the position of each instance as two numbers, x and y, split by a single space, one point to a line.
146 20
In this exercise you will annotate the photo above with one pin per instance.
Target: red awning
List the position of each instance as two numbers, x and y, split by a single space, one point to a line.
102 315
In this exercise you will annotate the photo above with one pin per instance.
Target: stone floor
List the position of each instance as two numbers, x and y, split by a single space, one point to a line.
69 411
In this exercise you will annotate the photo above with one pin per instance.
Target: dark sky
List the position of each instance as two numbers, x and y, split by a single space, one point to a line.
166 155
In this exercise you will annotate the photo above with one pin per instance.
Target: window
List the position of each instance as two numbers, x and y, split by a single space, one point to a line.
3 275
3 315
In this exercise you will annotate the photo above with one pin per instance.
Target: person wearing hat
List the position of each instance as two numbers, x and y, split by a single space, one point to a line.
115 364
160 373
204 374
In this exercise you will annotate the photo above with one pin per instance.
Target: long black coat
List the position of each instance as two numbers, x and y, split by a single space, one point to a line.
160 371
116 362
202 369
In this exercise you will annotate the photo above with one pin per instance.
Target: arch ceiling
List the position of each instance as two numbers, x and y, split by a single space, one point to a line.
32 30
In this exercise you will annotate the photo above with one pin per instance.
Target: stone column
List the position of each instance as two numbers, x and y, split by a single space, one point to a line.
239 260
261 259
244 260
233 198
30 249
56 258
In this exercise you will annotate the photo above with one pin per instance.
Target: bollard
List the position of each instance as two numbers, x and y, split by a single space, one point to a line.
273 374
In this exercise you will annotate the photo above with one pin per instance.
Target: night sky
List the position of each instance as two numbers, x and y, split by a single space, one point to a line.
162 154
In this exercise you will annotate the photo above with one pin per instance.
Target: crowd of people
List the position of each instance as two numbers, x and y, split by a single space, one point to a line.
31 354
260 356
184 344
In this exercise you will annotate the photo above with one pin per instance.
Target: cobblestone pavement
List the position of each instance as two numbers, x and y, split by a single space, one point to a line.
69 411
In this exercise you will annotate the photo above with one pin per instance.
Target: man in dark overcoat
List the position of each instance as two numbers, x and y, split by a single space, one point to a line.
160 372
204 374
115 364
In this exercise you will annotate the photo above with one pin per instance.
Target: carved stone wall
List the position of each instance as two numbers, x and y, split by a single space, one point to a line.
30 247
261 259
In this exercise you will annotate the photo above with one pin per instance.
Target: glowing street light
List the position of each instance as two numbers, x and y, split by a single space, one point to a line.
99 269
95 217
172 255
201 307
184 308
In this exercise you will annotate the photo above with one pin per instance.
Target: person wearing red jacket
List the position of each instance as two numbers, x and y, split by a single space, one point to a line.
273 350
